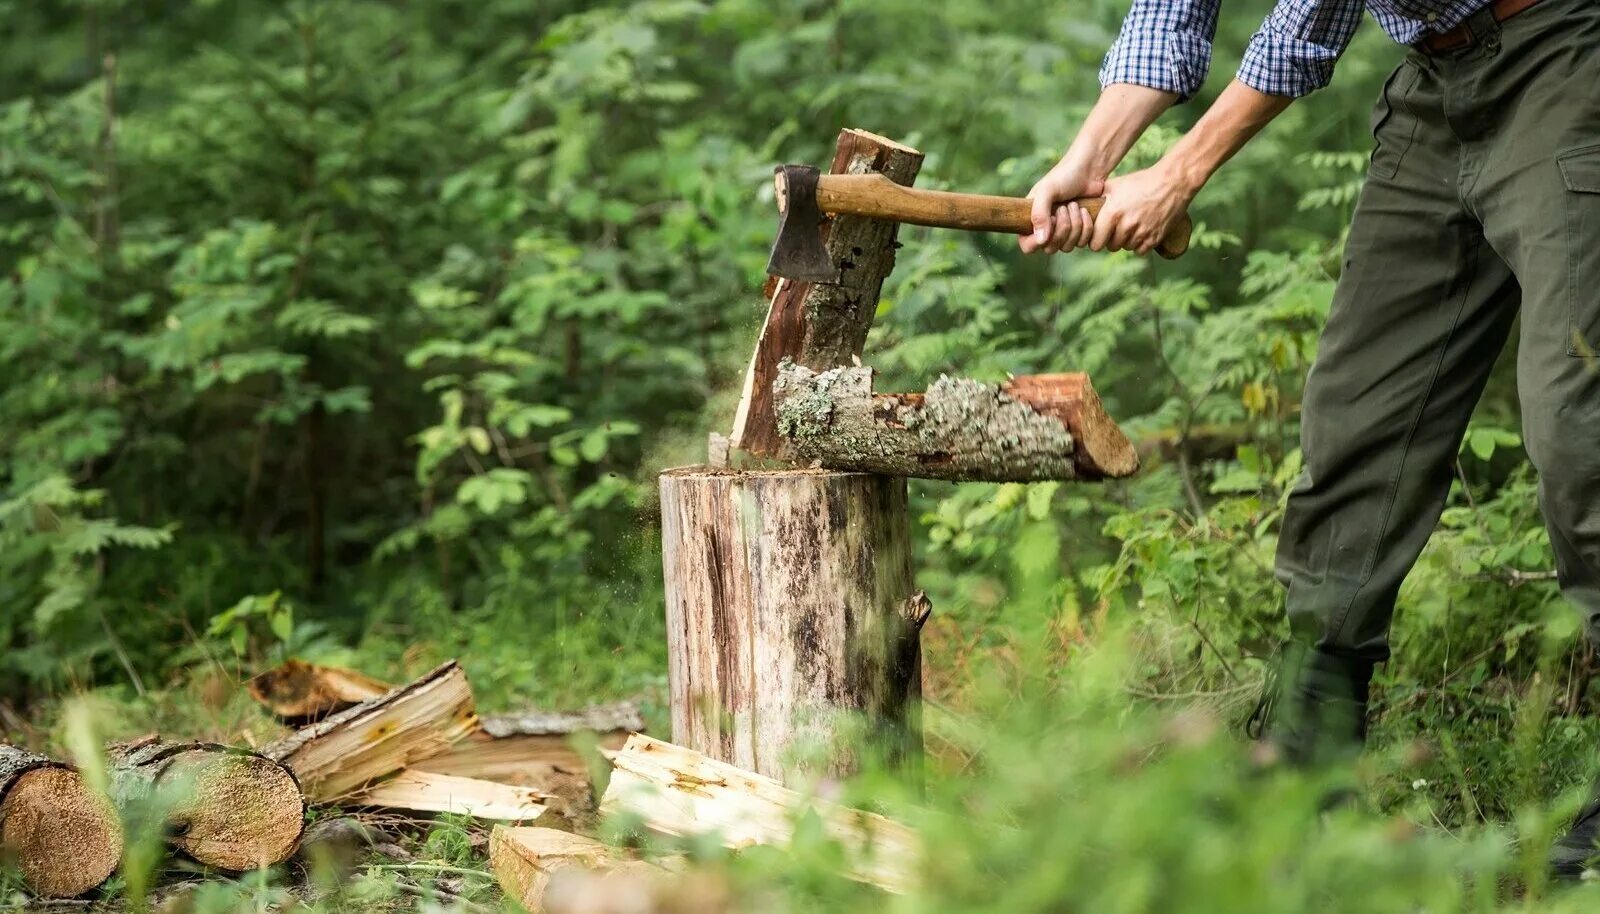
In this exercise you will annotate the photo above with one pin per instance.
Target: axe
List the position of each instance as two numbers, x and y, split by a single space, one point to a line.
806 198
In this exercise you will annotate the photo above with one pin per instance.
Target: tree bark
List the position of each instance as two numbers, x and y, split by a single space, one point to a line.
674 791
790 606
228 808
357 747
1029 429
62 835
824 325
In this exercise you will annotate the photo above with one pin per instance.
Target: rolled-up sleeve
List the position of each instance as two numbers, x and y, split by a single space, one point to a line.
1296 49
1164 44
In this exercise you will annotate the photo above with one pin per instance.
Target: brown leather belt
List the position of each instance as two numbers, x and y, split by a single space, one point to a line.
1461 36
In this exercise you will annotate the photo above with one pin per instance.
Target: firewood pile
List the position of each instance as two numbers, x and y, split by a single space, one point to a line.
364 746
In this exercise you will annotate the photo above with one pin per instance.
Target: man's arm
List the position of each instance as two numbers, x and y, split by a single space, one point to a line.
1142 206
1160 57
1292 55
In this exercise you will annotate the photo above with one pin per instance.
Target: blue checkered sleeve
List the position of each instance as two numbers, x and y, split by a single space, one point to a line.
1294 52
1164 44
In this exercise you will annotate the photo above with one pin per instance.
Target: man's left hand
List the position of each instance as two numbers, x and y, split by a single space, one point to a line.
1140 207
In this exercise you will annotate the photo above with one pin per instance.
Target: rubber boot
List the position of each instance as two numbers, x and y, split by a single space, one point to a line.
1315 713
1579 849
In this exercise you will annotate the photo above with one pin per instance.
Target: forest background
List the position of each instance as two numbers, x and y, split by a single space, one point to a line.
358 331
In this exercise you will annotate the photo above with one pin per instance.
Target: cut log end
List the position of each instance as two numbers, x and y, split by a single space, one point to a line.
239 812
1043 427
63 836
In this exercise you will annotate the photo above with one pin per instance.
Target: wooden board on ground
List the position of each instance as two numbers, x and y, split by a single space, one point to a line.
1031 428
536 749
228 808
562 873
790 610
426 791
824 325
674 791
355 748
63 836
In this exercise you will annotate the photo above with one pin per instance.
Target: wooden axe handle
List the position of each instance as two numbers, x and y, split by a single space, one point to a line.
876 196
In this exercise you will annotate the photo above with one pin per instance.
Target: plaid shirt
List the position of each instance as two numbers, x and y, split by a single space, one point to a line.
1166 44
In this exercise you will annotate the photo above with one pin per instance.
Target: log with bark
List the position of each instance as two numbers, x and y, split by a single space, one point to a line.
558 872
790 611
341 755
1031 428
63 836
825 325
228 808
298 693
674 791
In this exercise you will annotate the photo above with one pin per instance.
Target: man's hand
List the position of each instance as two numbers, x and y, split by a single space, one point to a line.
1059 223
1142 206
1139 210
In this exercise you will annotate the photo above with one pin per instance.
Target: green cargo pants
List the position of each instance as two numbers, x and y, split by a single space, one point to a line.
1483 198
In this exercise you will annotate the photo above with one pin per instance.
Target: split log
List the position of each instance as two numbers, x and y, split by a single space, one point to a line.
674 791
528 747
299 693
824 325
1028 429
340 755
425 791
790 606
228 808
558 872
63 836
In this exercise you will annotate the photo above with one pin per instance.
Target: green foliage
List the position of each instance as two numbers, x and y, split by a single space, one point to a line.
391 312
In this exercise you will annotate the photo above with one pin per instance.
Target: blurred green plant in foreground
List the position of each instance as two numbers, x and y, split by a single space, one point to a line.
359 330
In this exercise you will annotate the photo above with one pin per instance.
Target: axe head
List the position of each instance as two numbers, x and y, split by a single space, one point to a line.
798 252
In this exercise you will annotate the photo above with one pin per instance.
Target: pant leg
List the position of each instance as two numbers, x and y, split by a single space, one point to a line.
1422 308
1540 200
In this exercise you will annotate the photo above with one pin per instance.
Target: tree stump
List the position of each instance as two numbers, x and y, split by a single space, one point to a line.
790 607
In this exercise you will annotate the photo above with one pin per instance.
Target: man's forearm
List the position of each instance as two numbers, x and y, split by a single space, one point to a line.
1116 122
1237 115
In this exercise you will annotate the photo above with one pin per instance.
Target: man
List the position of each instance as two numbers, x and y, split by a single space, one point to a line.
1483 197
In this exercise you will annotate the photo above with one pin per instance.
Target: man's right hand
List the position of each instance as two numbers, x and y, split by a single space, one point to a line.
1116 121
1059 223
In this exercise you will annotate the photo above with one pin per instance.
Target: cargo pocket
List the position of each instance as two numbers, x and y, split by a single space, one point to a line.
1393 126
1580 171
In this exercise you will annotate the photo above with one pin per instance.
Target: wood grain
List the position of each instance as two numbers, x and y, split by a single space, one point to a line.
62 836
675 791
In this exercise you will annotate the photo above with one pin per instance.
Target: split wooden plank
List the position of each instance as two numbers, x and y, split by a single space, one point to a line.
298 692
527 747
63 836
232 809
678 792
558 872
825 325
426 791
355 748
1031 428
791 614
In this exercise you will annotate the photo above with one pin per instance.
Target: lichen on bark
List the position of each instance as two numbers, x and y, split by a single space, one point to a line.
960 429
